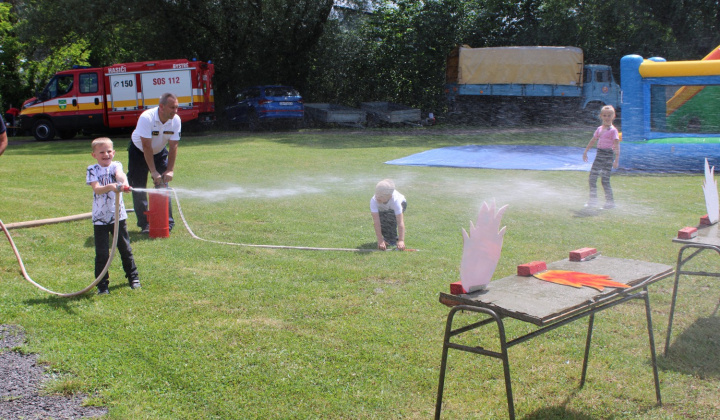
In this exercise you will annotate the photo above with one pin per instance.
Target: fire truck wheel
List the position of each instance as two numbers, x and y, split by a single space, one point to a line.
43 130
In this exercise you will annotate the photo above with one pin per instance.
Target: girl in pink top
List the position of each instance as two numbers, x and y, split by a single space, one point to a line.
607 158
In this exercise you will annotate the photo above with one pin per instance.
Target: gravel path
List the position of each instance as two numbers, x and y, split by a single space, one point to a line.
20 381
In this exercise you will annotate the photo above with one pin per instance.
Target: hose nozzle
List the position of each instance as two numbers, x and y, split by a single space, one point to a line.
124 188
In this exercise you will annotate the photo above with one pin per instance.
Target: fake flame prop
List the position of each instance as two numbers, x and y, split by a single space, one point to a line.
577 279
481 248
710 190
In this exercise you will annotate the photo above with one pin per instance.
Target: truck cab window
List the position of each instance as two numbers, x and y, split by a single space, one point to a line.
59 85
602 76
88 83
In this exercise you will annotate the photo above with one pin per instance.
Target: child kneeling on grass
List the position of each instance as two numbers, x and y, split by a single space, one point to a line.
105 177
387 207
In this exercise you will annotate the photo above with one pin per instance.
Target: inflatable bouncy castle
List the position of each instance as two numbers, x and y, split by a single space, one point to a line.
671 102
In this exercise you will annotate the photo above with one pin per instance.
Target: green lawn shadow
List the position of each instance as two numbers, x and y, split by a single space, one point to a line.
696 351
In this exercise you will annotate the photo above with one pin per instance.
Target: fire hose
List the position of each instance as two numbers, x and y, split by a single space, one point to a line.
305 248
115 239
113 248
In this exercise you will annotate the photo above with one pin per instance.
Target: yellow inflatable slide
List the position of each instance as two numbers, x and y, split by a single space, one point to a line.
685 93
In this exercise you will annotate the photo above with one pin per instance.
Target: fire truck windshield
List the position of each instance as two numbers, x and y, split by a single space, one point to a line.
58 86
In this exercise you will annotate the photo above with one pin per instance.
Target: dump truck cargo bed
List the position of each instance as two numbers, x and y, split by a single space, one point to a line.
516 65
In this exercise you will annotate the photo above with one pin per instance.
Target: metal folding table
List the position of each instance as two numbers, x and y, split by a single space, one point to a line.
706 239
548 306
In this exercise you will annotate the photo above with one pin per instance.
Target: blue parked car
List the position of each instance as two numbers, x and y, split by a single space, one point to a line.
260 104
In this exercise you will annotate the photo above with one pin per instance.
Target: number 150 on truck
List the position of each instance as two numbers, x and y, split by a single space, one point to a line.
97 100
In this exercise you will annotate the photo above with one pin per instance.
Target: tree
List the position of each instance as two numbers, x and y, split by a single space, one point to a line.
250 41
397 53
11 91
388 50
694 23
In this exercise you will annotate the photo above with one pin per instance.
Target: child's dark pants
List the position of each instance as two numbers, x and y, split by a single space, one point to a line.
602 166
103 233
388 225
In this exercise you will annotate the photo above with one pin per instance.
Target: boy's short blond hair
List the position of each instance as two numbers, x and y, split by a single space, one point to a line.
101 140
384 188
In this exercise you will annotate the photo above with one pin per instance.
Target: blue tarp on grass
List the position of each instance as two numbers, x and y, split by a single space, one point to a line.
634 157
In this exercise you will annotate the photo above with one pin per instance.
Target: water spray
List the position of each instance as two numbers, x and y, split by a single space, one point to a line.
159 205
305 248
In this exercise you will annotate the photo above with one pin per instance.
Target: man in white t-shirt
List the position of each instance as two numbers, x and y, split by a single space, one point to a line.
153 150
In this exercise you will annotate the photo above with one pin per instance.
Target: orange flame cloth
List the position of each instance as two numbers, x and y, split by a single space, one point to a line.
577 279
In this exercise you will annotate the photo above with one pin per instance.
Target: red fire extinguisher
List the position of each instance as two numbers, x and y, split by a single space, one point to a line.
158 214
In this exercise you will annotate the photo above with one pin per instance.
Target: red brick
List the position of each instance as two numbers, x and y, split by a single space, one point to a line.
582 253
531 268
687 233
456 288
705 220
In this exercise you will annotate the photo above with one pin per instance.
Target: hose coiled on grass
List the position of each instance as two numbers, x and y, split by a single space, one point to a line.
89 287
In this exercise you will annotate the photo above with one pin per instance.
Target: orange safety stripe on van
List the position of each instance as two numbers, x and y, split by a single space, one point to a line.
32 110
90 106
55 108
154 101
125 104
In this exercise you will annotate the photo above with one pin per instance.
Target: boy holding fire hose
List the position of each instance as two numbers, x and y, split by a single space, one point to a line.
108 180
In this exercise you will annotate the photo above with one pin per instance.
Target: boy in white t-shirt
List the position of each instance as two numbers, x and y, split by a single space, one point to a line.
106 178
387 207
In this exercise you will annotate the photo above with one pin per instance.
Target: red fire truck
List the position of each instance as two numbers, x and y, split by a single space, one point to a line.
95 100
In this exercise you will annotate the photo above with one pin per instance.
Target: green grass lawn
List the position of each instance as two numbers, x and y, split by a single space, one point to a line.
231 332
